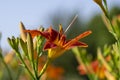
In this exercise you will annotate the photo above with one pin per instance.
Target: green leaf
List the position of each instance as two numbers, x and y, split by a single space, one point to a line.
30 46
103 61
11 43
105 3
15 42
24 47
40 41
107 50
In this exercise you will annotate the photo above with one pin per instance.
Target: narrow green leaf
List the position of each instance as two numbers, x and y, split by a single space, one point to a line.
102 59
30 46
40 41
15 43
10 42
24 47
105 3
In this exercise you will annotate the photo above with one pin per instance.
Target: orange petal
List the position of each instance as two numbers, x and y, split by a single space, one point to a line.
82 35
81 70
108 58
49 45
60 29
33 32
95 65
62 40
80 44
77 38
36 32
53 34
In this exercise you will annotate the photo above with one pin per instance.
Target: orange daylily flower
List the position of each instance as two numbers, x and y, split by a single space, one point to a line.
55 73
56 43
52 72
94 67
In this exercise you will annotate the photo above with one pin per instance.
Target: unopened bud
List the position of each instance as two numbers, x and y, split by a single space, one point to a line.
22 33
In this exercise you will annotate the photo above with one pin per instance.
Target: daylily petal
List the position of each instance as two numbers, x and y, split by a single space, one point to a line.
77 38
36 32
33 32
86 33
81 69
53 34
80 44
61 41
60 29
49 45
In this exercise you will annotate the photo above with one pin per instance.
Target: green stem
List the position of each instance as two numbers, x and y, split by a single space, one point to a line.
6 66
35 68
118 44
79 58
105 10
44 67
111 24
105 3
37 61
25 64
19 73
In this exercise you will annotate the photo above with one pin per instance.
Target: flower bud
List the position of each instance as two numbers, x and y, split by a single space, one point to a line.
22 33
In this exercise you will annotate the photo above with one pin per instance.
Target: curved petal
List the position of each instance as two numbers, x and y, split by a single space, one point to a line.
69 43
33 32
75 44
53 34
49 45
36 32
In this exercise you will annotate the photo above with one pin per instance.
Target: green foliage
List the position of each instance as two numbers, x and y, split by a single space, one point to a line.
28 52
23 47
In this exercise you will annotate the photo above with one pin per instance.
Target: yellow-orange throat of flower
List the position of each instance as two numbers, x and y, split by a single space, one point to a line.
55 52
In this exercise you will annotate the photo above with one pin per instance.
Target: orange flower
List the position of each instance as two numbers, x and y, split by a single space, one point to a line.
52 72
95 67
56 43
55 73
